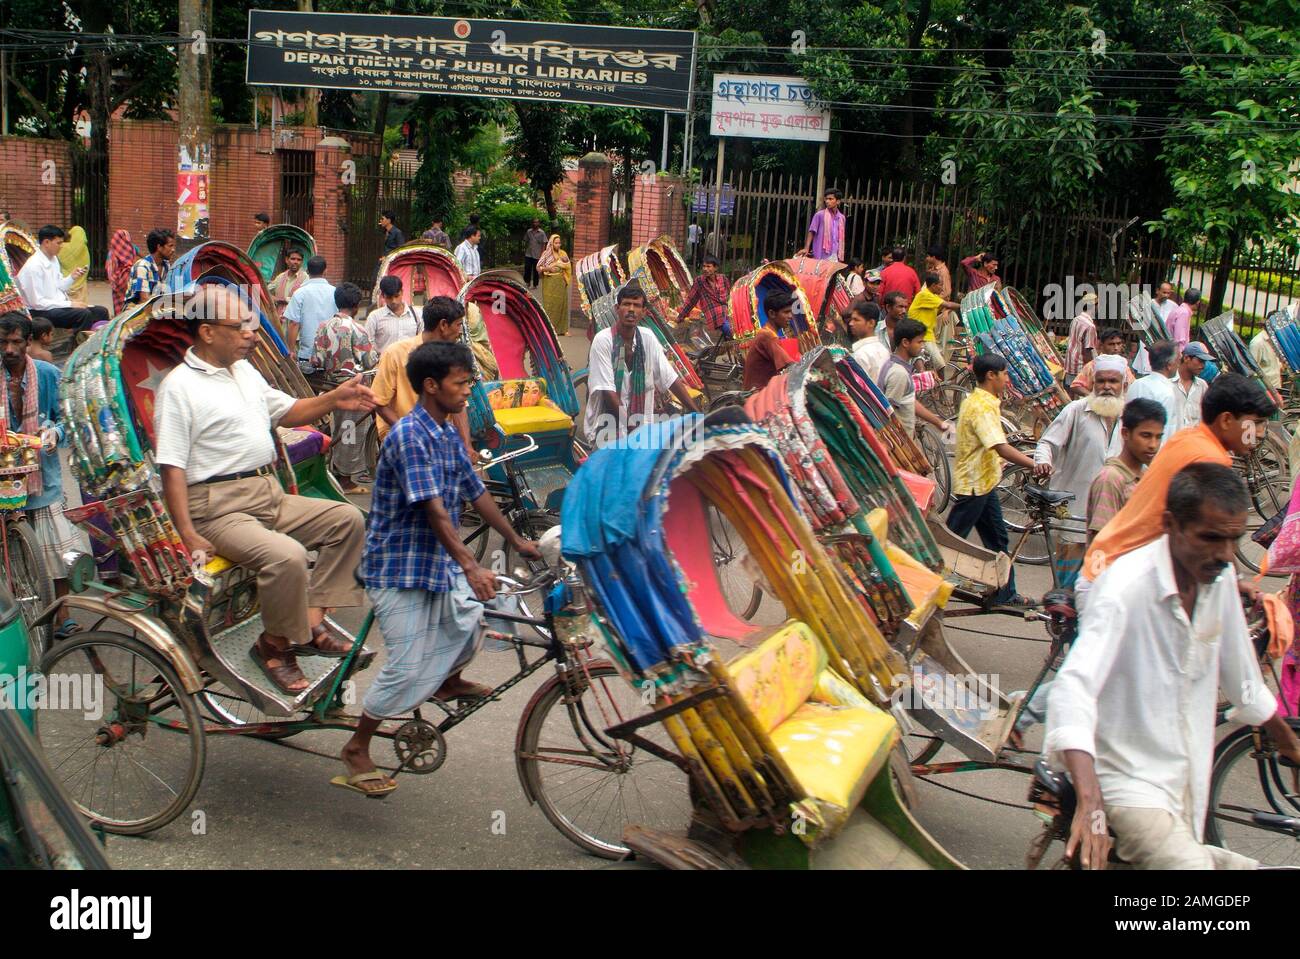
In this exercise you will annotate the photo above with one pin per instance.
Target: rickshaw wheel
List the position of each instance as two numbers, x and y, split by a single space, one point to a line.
135 765
589 785
28 581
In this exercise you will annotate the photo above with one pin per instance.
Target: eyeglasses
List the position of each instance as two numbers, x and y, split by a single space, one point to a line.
250 325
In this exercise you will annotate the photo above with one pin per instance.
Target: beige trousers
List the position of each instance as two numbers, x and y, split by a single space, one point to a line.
254 523
1154 839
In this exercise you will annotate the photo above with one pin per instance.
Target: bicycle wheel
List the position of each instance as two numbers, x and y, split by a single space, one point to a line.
372 450
931 444
29 581
1267 476
470 524
742 593
134 764
589 785
1020 517
946 400
1243 783
580 437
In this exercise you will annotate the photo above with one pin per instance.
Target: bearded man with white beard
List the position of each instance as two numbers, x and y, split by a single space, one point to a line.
1075 444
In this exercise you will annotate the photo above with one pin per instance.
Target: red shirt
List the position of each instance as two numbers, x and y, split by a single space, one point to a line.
900 277
766 357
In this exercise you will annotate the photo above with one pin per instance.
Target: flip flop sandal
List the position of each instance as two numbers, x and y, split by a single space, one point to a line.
280 676
67 628
353 783
319 633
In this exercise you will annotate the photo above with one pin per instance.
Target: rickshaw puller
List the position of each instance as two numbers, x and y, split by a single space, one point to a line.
427 591
213 417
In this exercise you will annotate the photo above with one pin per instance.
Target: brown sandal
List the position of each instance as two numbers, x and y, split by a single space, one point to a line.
325 643
283 675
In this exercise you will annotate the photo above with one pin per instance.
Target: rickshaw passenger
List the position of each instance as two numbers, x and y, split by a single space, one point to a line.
427 590
213 417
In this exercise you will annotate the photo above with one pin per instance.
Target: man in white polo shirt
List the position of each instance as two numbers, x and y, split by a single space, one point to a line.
213 417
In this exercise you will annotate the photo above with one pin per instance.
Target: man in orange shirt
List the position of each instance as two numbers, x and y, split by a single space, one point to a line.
1234 415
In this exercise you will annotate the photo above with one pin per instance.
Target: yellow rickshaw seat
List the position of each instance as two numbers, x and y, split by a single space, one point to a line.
834 740
532 419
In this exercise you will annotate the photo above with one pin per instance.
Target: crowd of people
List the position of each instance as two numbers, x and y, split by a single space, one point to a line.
1144 450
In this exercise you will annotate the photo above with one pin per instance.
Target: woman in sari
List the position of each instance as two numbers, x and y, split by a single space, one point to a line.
556 273
74 255
122 255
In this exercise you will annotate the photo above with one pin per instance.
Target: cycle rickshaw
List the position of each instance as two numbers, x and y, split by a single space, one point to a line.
270 248
170 646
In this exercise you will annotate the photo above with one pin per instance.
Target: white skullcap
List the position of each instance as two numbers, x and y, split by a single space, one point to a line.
1107 363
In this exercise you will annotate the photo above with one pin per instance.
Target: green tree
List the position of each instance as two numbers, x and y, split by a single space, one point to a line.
1234 159
537 149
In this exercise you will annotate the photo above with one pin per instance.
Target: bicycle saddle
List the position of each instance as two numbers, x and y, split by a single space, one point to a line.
1060 601
1051 497
1056 783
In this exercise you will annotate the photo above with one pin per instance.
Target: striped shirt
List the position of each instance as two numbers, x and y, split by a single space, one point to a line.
1109 492
1083 336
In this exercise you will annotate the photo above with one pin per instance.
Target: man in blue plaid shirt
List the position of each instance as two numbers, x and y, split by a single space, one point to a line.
426 588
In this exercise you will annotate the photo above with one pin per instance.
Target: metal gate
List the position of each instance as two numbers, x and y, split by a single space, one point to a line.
378 187
89 186
297 183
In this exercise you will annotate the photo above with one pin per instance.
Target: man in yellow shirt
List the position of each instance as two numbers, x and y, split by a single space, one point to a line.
981 447
925 310
442 317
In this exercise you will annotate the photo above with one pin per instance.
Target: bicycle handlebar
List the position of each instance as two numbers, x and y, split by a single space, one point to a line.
486 458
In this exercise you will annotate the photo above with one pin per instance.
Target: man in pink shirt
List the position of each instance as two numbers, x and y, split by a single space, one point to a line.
826 230
1180 320
898 276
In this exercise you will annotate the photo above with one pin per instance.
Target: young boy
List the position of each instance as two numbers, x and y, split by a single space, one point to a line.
768 355
427 590
896 377
1142 430
870 353
977 468
42 340
925 309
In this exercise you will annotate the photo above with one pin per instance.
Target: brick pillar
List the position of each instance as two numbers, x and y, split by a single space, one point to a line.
657 209
591 214
330 199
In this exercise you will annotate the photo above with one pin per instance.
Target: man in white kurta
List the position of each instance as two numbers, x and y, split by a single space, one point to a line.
1131 714
1077 442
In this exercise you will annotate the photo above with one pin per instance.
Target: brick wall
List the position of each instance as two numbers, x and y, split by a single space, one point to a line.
657 209
31 192
591 212
244 180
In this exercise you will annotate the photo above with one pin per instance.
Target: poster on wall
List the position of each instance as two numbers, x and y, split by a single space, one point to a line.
512 59
192 201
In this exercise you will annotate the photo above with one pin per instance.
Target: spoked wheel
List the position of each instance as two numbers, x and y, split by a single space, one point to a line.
470 523
120 733
28 581
1245 789
231 708
931 444
1267 474
589 785
743 594
1019 517
945 400
372 450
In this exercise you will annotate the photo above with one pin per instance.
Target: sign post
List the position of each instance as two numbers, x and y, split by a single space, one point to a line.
511 59
768 108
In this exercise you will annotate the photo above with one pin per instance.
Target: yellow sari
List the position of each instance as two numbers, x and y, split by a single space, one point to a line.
557 273
75 254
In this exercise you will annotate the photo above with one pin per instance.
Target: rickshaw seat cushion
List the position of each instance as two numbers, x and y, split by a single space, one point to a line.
779 675
836 751
302 443
532 419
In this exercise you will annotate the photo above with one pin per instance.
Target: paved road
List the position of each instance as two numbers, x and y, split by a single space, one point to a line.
262 805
